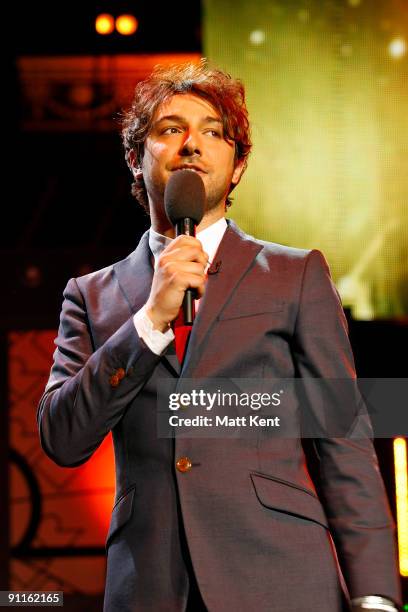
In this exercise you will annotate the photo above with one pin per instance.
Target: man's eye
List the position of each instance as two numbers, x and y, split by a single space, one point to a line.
171 130
215 133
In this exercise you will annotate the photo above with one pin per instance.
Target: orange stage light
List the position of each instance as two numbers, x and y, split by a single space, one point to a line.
104 24
97 478
126 24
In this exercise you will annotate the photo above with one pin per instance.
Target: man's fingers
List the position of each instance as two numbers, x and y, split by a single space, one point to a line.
187 253
186 280
184 248
173 268
184 239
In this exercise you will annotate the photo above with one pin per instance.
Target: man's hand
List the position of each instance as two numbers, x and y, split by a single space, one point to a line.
181 266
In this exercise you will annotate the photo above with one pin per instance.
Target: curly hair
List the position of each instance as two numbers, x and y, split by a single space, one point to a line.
225 94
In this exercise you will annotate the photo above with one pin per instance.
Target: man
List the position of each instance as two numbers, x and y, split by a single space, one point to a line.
214 524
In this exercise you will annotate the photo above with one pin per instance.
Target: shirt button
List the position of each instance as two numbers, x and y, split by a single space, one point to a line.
184 464
114 380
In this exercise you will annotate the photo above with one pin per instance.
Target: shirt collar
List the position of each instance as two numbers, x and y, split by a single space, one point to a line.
157 243
210 238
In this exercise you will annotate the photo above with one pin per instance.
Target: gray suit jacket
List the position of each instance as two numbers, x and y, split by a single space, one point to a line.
258 535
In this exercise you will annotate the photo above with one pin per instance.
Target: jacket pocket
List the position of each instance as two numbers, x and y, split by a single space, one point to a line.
250 308
286 497
121 513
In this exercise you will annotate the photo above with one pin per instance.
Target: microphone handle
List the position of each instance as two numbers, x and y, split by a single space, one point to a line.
187 227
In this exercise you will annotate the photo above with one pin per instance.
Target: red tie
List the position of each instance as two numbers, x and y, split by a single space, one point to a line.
182 334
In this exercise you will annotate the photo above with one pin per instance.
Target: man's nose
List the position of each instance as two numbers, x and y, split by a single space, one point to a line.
190 145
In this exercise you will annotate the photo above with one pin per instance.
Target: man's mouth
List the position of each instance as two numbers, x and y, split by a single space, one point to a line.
193 167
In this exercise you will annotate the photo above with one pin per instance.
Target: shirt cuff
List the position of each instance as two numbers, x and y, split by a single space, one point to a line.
375 603
156 340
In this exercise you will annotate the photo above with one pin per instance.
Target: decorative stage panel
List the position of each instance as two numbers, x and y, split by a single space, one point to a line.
59 516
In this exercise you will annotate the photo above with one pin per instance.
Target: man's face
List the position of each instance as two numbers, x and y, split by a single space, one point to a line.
187 132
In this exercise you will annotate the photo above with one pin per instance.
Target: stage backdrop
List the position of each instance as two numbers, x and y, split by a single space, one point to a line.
327 93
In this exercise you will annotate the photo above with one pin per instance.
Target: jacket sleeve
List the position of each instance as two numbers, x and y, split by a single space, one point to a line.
350 484
88 391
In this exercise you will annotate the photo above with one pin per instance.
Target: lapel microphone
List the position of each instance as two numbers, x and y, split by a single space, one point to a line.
215 267
184 202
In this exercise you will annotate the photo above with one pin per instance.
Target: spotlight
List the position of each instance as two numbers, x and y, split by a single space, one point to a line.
104 24
257 37
126 24
397 47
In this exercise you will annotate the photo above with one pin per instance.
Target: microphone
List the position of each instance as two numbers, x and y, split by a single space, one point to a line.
184 201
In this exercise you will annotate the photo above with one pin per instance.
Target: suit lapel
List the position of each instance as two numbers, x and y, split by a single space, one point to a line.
135 274
233 258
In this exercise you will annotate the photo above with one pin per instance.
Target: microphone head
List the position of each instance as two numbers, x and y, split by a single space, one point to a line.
184 196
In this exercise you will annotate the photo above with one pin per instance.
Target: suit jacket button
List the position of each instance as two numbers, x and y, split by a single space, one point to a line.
184 464
120 373
114 380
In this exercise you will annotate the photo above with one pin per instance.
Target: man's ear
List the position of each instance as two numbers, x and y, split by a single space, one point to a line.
134 165
238 171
